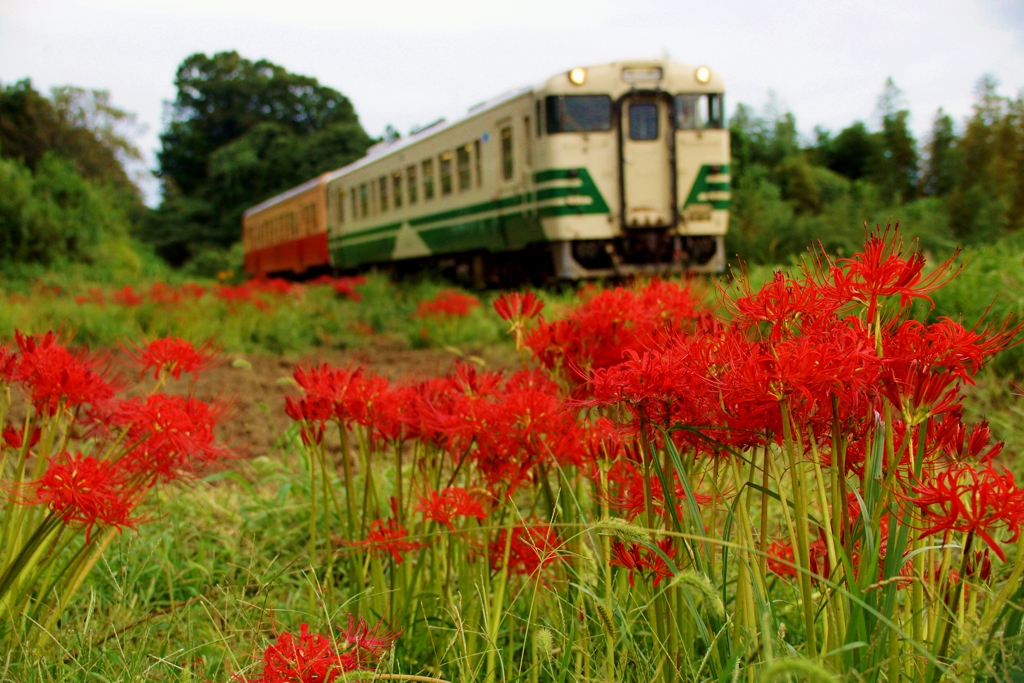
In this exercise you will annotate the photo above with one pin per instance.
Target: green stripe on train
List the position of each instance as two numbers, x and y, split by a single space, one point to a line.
505 231
702 185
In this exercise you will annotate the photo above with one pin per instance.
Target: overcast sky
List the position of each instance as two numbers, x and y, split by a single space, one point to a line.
408 62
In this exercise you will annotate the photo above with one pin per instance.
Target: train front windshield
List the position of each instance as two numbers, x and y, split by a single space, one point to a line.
578 113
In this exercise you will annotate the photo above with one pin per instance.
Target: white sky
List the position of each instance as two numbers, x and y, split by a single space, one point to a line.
408 62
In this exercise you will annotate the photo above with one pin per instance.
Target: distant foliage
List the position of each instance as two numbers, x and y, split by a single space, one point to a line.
240 132
963 185
54 214
80 126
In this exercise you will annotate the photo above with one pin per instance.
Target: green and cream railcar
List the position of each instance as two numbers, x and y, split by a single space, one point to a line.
601 171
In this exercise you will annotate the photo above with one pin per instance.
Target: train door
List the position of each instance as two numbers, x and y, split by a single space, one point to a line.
647 146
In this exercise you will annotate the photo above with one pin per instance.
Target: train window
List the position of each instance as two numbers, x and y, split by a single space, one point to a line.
341 206
476 157
465 177
382 183
698 110
526 142
410 183
446 173
364 201
396 188
578 113
428 179
507 169
352 204
643 121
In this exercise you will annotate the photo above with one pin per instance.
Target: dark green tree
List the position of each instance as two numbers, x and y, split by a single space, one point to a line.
83 127
943 162
240 132
851 153
896 166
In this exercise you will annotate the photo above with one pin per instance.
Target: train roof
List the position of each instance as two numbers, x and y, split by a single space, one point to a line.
385 148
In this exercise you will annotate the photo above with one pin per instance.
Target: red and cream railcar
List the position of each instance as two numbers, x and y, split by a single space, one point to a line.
288 233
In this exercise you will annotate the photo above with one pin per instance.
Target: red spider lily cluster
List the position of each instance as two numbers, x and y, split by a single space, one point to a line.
320 658
258 292
448 303
819 417
82 457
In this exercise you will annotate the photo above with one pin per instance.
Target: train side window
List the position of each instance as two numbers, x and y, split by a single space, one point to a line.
526 142
695 111
364 200
396 188
716 110
428 179
353 204
410 184
507 166
446 173
479 167
382 183
341 206
462 158
578 113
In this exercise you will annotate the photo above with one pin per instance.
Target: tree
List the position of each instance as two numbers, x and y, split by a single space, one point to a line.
240 132
896 168
851 153
80 126
222 97
943 159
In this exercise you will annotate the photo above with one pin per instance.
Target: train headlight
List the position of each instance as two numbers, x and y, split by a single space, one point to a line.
703 74
578 75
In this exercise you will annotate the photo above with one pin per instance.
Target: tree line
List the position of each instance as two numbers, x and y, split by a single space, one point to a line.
963 184
240 131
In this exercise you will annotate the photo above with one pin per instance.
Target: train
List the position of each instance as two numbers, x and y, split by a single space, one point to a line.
599 172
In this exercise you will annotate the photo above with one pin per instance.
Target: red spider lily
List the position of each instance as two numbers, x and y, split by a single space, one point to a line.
94 296
442 506
346 287
313 413
448 303
779 304
637 558
780 559
56 377
126 296
881 269
628 492
83 490
388 537
169 435
532 548
969 500
173 355
162 293
351 393
310 658
193 290
8 364
518 307
367 643
15 438
599 332
528 424
628 557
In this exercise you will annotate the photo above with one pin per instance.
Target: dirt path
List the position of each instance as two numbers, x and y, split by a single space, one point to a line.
257 394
